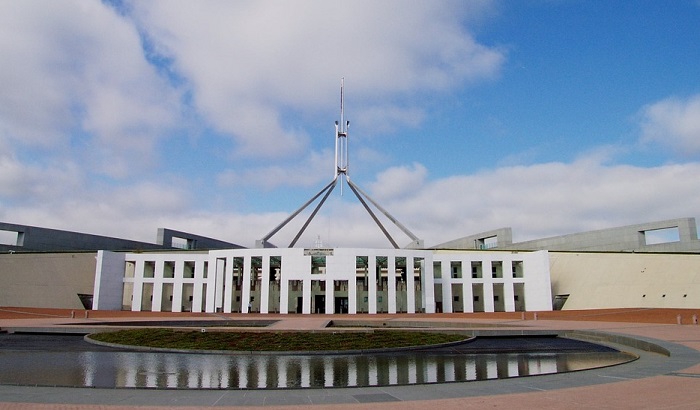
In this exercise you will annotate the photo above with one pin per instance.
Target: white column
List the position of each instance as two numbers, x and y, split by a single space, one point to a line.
428 285
157 286
177 286
197 289
306 293
265 285
219 281
410 285
284 294
330 294
391 274
210 302
446 273
245 291
508 295
467 293
488 295
352 294
138 286
228 284
372 284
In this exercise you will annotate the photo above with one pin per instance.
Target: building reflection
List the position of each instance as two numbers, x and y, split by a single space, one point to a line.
194 371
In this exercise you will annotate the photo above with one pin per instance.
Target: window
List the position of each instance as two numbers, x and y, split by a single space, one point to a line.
10 238
664 235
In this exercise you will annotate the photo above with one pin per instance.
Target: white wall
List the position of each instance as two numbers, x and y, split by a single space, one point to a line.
109 274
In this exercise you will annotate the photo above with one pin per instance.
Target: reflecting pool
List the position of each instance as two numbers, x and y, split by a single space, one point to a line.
95 366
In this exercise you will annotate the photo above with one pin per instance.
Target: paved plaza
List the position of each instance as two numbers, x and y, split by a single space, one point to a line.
654 381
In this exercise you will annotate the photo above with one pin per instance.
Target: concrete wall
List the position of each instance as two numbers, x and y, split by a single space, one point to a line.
36 239
626 280
192 241
619 239
502 238
625 238
46 280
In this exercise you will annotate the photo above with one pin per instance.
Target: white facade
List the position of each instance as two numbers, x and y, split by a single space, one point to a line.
341 280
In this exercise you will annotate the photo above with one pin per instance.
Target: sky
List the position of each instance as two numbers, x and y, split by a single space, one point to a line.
217 118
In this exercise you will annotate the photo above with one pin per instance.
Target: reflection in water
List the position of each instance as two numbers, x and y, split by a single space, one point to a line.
165 370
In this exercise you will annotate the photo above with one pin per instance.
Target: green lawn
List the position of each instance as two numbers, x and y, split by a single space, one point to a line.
273 341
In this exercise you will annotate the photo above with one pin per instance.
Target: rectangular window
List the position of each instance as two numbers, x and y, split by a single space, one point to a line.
169 270
149 269
9 238
665 235
437 270
476 270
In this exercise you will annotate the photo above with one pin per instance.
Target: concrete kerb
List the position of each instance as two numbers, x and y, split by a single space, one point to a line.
612 338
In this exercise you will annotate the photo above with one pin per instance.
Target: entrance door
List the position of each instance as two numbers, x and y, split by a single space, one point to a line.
341 304
300 304
320 304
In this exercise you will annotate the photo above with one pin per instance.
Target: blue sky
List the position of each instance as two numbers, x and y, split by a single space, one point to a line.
550 117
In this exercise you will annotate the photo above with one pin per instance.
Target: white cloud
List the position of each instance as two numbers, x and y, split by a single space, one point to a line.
673 122
29 184
315 168
549 199
536 201
399 182
253 61
76 77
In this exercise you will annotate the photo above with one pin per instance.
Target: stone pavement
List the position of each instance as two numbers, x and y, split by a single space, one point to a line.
655 381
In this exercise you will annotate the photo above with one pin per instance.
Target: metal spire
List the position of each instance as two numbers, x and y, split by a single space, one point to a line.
341 170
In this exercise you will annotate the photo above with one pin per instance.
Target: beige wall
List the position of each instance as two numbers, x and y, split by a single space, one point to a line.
626 280
46 280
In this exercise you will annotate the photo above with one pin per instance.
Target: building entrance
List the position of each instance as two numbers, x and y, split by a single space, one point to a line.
320 304
341 305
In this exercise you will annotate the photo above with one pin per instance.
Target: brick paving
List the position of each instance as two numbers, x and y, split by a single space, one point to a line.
678 389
